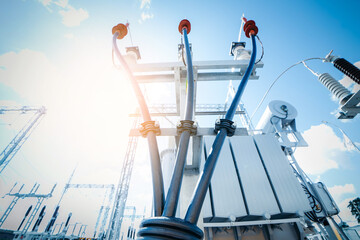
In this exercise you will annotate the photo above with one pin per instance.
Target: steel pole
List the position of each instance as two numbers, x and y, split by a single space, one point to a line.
157 177
193 212
172 197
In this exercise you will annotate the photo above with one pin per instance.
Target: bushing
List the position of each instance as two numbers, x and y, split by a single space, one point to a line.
121 29
185 24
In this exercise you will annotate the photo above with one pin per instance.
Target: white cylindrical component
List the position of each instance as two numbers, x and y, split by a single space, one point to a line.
336 88
241 54
131 57
275 111
167 157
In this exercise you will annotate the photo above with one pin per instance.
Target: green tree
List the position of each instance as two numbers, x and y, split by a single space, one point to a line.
354 206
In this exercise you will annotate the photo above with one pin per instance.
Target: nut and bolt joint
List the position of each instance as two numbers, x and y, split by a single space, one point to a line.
149 126
187 125
229 125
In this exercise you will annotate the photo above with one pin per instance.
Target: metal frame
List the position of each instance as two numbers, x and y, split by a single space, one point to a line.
16 143
31 194
117 215
250 223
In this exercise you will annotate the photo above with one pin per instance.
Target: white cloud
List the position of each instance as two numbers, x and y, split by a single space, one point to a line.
145 16
69 36
45 2
62 3
323 151
29 73
145 4
72 17
338 191
345 212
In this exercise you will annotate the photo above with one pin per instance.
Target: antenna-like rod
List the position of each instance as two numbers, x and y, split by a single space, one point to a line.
241 27
68 182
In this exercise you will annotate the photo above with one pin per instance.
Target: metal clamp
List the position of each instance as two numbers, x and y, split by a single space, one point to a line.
229 125
149 126
187 125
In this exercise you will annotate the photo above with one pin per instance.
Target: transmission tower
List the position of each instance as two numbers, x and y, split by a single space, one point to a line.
13 147
32 194
104 209
122 189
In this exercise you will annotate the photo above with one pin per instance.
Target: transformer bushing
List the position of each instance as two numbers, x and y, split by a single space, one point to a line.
348 69
336 88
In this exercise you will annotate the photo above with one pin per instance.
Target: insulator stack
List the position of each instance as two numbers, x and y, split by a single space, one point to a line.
348 69
342 93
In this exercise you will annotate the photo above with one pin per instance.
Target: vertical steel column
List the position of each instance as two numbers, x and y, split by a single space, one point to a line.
193 212
157 177
172 197
32 215
117 214
16 143
8 210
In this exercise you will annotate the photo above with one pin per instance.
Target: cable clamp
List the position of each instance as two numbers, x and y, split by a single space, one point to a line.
149 126
229 125
187 125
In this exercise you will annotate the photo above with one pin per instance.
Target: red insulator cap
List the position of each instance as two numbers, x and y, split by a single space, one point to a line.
248 23
184 24
250 28
121 29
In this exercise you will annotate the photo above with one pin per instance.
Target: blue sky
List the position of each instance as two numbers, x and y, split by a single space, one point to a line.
57 53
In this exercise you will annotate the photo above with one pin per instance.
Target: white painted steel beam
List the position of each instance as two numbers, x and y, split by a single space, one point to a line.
251 223
200 65
200 132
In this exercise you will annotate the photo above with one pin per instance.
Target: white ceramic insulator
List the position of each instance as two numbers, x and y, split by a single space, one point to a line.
241 54
334 86
131 57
